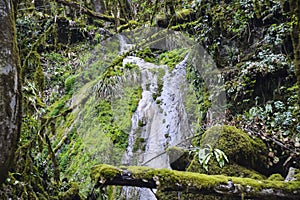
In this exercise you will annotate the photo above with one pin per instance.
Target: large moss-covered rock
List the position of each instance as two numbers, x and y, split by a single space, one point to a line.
244 153
179 158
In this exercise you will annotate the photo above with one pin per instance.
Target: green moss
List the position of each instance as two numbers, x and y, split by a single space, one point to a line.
139 144
231 169
154 96
71 193
98 132
146 54
131 66
238 146
103 171
244 153
184 13
148 86
135 98
172 58
39 78
58 107
159 88
140 123
276 177
69 84
130 24
165 178
297 174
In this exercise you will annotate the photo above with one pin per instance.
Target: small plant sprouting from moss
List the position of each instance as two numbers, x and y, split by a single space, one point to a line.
39 78
205 154
135 98
159 89
141 123
139 144
148 86
130 66
69 84
146 54
154 96
158 93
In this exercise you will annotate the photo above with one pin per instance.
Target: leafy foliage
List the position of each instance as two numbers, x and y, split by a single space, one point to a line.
206 153
248 39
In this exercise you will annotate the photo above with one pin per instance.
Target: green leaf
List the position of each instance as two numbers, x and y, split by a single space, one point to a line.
202 155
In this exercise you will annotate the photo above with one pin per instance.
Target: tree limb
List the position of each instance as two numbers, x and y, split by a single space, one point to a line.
188 182
89 12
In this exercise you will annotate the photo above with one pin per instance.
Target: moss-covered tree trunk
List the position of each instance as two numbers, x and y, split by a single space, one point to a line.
295 15
9 88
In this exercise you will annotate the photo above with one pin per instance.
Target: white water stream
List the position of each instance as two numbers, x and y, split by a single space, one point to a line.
161 121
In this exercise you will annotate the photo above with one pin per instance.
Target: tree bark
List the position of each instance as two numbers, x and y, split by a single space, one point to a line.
10 97
295 17
170 180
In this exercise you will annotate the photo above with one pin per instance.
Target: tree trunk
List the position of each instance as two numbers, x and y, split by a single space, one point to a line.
10 97
295 16
167 180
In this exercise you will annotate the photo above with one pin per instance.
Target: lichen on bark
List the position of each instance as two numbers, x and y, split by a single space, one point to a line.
9 88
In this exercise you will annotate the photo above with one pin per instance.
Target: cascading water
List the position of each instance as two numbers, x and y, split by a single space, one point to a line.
160 120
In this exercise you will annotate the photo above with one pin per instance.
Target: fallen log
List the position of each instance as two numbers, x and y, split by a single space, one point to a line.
187 182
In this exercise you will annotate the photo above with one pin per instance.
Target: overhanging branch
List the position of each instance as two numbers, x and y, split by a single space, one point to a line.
89 12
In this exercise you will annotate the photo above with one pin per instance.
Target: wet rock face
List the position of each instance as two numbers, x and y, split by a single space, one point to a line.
160 118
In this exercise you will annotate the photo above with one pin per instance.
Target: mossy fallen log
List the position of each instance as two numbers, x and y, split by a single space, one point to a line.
187 182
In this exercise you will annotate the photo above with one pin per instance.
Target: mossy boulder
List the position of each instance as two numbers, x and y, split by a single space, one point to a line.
244 153
231 169
179 158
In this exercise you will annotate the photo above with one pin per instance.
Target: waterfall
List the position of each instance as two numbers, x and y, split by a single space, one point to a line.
160 120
